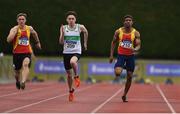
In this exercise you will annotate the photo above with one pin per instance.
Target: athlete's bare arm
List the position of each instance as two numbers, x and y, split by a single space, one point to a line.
61 36
84 30
36 38
113 44
12 34
33 55
137 41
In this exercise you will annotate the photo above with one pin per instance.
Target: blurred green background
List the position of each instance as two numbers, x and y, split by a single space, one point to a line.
157 21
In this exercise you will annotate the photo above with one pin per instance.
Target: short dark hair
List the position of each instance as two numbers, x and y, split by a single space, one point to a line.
71 13
22 14
128 16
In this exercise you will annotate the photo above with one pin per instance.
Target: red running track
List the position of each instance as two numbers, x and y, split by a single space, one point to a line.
52 97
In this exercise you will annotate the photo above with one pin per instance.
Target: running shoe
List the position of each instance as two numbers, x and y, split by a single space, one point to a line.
23 85
77 81
71 95
18 85
124 99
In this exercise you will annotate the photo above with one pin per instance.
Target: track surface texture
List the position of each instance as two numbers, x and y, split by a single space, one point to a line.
52 97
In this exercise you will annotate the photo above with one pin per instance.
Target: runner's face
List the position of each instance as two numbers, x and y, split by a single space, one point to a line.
21 20
71 20
128 22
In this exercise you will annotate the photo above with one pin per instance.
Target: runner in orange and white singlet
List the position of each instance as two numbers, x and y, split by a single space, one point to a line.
19 35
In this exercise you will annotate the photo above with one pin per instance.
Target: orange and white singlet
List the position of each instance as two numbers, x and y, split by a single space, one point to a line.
21 42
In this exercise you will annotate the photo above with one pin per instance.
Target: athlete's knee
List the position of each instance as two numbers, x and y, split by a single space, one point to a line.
69 76
26 62
129 76
68 73
17 72
74 60
118 71
129 73
25 66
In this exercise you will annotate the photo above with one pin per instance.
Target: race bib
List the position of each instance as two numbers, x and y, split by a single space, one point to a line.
70 44
23 41
126 44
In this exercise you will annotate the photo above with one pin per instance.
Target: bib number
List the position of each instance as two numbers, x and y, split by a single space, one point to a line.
71 44
126 44
23 41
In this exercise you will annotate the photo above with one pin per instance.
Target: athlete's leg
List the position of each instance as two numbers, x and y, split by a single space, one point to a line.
74 65
25 71
118 68
70 85
130 64
17 69
69 79
17 75
128 82
68 67
118 71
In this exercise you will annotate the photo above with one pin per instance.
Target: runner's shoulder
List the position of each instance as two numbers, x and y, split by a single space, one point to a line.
81 25
137 34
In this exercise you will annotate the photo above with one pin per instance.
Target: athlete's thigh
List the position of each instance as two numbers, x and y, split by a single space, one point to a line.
69 72
130 63
17 61
66 60
75 58
26 59
120 61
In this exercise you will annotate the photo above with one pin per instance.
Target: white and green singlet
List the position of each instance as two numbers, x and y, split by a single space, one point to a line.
72 39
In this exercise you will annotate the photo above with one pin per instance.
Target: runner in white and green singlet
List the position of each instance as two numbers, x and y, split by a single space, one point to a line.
71 40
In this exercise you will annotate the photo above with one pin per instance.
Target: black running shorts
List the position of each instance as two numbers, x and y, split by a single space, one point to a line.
67 58
18 60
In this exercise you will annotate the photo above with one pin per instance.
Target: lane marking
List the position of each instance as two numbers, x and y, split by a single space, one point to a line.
22 92
165 99
45 100
105 102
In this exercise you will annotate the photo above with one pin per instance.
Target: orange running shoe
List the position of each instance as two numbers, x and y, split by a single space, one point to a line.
77 81
71 95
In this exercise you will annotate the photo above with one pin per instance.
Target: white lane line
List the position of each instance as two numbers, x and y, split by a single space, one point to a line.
15 93
105 102
45 100
165 99
20 92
